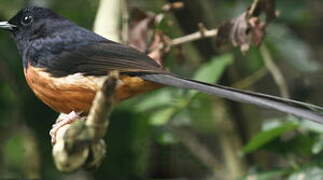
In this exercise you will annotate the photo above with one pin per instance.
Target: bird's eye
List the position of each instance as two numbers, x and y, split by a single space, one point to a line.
27 20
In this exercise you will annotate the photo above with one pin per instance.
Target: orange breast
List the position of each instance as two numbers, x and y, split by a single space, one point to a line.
76 92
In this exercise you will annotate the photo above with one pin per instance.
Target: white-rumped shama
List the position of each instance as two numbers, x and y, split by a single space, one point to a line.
63 64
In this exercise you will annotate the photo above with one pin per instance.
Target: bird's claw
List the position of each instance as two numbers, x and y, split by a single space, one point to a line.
62 120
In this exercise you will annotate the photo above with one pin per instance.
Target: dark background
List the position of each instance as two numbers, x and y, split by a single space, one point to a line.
168 135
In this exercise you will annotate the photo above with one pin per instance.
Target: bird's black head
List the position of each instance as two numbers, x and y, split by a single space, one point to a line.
29 20
40 32
35 29
32 23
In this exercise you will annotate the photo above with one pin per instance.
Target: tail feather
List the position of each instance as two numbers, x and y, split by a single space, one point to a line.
300 109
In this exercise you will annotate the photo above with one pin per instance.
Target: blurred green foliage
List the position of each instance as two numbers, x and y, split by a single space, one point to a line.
143 142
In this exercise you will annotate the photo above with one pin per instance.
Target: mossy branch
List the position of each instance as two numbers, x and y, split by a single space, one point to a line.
81 144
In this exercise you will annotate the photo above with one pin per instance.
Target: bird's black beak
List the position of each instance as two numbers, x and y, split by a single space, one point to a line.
6 25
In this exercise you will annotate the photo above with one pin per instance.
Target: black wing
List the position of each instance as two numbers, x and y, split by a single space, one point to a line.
98 58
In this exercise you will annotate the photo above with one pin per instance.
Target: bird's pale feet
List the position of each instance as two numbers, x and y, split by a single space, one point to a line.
62 120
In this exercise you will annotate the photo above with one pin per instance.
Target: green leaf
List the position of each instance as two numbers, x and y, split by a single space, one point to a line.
210 72
162 116
167 138
267 136
161 98
318 145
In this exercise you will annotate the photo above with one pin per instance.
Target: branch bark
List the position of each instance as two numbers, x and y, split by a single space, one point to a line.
80 144
194 36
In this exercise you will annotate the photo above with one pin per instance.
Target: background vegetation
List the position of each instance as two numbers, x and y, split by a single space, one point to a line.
177 134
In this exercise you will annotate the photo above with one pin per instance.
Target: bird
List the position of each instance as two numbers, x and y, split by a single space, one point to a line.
63 64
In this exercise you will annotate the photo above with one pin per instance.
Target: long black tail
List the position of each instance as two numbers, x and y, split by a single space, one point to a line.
304 110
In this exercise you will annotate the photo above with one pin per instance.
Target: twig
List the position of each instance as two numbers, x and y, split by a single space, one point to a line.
80 144
193 37
253 7
97 118
274 71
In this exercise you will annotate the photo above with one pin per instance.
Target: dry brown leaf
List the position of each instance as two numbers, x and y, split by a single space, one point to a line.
141 29
173 6
247 29
257 30
145 38
157 47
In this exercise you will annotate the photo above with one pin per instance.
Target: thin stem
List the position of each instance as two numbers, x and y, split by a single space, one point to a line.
274 71
194 36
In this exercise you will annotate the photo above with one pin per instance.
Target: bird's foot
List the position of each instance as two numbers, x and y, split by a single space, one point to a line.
62 120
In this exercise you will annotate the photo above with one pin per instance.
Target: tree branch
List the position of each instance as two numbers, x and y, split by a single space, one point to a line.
80 144
194 36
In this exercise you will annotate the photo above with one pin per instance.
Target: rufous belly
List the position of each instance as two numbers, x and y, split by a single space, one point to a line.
76 92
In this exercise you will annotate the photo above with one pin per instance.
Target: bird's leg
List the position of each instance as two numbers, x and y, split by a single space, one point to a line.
62 120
